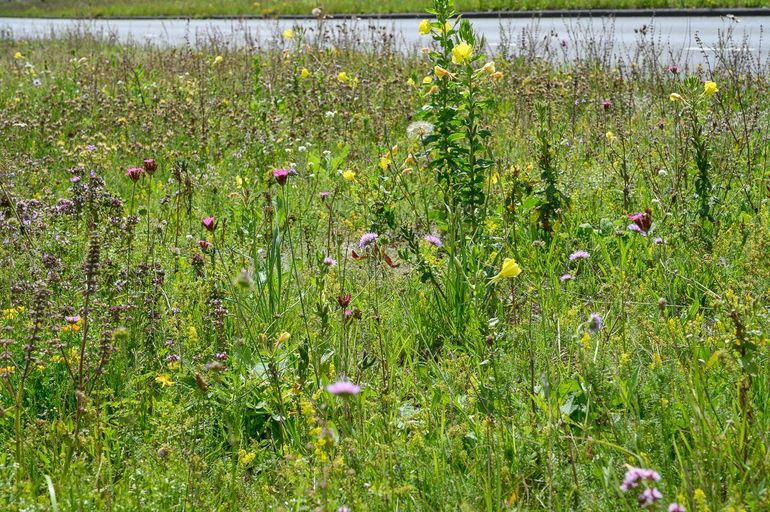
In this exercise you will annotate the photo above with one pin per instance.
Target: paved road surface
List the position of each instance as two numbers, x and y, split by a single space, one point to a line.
685 41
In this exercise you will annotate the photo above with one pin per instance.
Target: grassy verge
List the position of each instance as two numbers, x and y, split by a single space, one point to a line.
167 336
202 8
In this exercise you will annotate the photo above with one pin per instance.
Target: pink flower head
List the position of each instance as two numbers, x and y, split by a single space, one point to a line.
329 261
649 496
595 324
210 223
134 173
221 356
676 507
344 300
72 319
205 245
323 195
606 105
343 388
281 176
643 220
433 240
565 277
150 166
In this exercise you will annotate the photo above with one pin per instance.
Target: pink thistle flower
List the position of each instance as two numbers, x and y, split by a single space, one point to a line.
134 173
643 220
150 166
281 176
343 388
579 255
210 223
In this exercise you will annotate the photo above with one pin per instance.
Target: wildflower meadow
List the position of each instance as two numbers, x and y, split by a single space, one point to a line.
322 275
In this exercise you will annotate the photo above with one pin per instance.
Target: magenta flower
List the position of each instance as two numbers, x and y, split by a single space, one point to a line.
72 319
676 507
281 176
433 240
367 239
634 476
134 173
595 323
329 261
642 220
210 223
150 166
606 105
343 388
221 356
579 255
323 195
344 300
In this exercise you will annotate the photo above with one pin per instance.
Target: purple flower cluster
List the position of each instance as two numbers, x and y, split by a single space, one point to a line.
433 240
329 261
343 388
595 325
368 239
579 255
636 476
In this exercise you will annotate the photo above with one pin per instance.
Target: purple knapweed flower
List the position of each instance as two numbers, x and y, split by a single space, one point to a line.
606 105
329 261
343 388
676 507
281 176
221 356
649 496
634 476
579 255
565 277
368 239
323 195
210 223
636 229
134 173
433 240
173 358
643 220
72 319
595 323
150 166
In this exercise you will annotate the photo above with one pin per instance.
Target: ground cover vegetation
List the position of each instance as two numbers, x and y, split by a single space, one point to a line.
323 276
203 8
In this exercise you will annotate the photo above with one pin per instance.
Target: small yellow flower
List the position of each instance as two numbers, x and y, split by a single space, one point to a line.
217 60
497 75
174 365
675 97
434 89
7 371
424 27
710 88
411 82
18 56
245 458
427 80
284 337
489 67
610 137
164 380
462 53
447 26
238 182
304 73
343 77
288 33
384 163
349 175
510 269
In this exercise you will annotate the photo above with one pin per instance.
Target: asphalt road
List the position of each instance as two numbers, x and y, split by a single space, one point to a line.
683 41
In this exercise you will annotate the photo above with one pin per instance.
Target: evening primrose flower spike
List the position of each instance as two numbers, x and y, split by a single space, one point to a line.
424 27
510 269
462 53
288 34
710 88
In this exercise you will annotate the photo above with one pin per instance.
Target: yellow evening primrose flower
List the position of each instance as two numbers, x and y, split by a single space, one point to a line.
441 72
424 27
462 53
610 137
284 337
164 380
342 76
288 33
497 75
384 163
675 97
217 60
447 26
304 73
18 56
238 182
427 80
710 88
434 89
489 67
349 175
510 269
